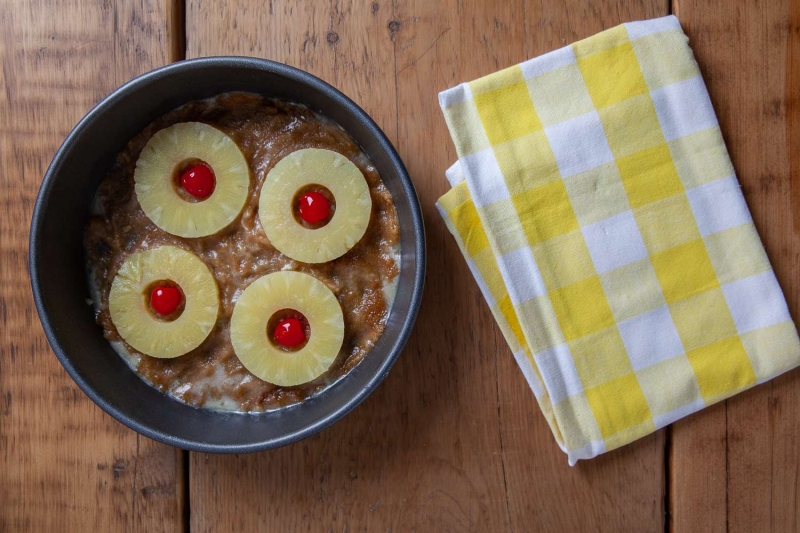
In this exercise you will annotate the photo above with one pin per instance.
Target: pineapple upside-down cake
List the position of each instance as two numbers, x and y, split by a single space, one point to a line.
242 253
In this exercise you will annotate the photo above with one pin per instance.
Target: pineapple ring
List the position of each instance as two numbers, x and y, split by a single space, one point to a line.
138 326
272 293
161 157
313 166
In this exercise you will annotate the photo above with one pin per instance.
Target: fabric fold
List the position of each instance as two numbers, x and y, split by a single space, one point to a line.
597 208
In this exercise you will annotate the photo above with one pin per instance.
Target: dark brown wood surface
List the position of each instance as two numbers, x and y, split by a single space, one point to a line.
453 439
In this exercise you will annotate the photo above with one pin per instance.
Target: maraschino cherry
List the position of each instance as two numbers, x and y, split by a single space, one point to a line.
165 299
199 181
289 332
314 207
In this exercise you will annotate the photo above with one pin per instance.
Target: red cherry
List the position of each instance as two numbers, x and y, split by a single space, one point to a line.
289 332
314 207
198 180
165 300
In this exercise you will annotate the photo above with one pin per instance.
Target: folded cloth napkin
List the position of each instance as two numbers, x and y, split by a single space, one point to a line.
598 210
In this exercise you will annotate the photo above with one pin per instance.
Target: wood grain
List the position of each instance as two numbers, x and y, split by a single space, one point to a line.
65 465
742 459
453 440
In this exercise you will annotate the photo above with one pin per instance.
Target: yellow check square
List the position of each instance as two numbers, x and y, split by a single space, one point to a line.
666 223
468 223
772 350
684 270
632 289
597 194
505 227
486 263
737 253
505 328
600 357
526 162
455 197
577 421
650 50
507 309
669 385
631 125
649 175
618 405
702 319
545 212
612 75
722 368
507 113
464 117
701 157
560 95
564 260
581 308
547 333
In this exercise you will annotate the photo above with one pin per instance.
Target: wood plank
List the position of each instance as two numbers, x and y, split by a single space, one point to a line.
453 440
750 58
699 472
419 452
65 465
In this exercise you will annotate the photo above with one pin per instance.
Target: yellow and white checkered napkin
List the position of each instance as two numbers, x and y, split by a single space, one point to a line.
596 205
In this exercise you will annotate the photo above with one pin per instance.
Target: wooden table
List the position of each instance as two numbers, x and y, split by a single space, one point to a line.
453 439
